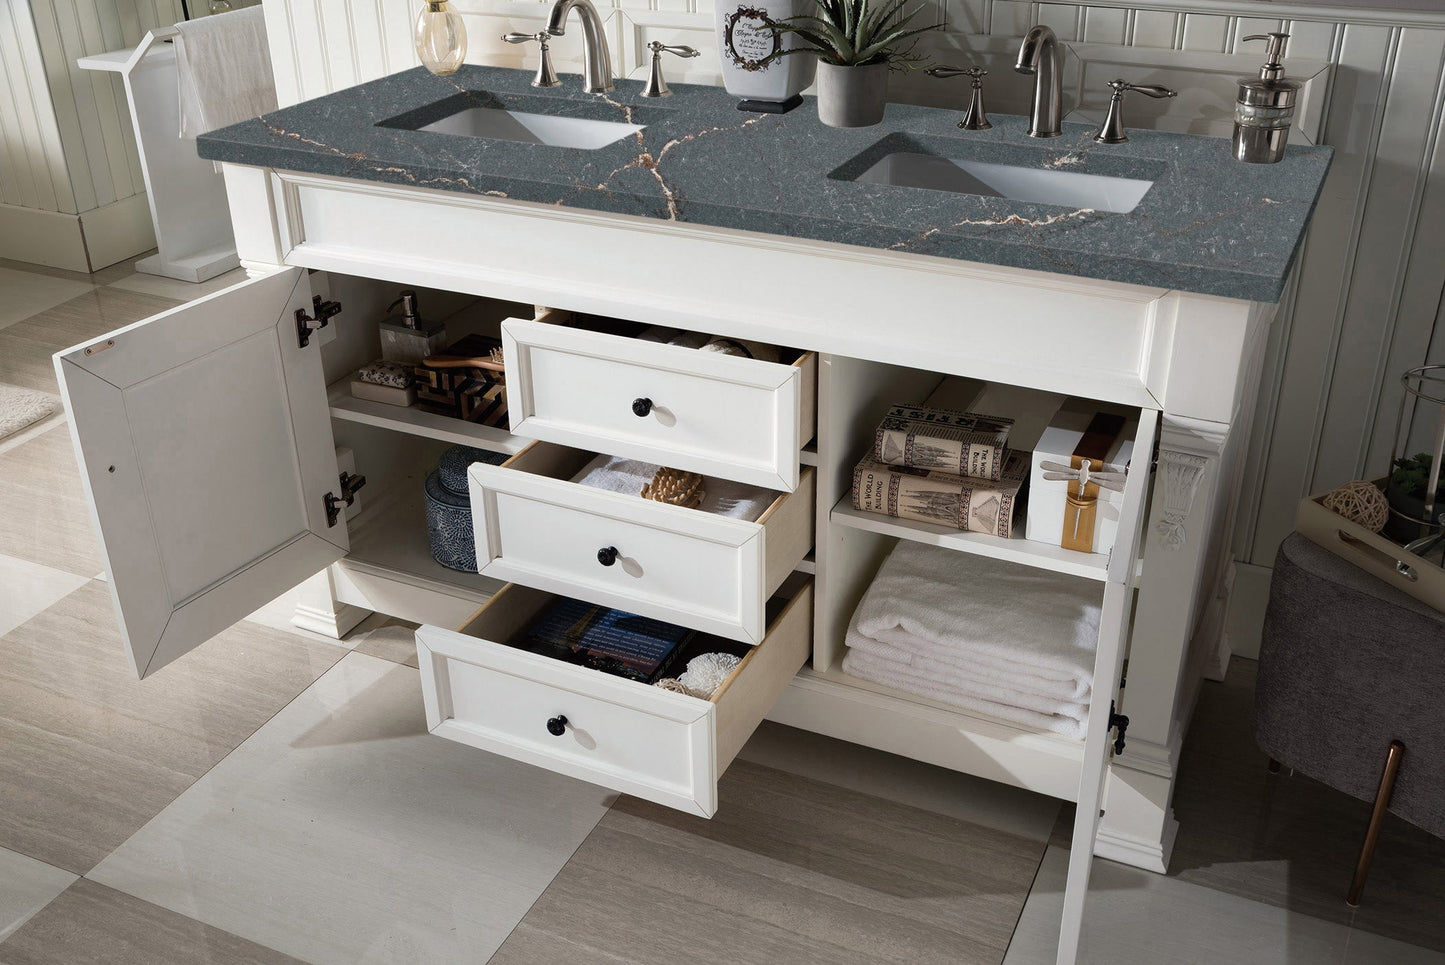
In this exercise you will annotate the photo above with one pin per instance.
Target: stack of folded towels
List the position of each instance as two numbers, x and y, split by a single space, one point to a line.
1014 642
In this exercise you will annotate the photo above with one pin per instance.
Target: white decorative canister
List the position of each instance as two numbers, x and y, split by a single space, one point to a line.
748 49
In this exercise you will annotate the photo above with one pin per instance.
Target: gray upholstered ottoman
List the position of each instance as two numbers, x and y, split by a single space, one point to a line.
1351 688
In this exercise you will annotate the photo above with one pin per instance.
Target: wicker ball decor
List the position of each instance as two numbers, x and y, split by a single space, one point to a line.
1360 502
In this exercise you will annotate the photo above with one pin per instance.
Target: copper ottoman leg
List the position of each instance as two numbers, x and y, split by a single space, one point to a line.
1377 818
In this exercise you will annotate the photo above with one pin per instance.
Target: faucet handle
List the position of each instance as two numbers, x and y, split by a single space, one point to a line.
975 118
546 76
656 86
1112 130
946 71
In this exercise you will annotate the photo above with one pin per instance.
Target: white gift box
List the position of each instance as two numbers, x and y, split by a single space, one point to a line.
1048 498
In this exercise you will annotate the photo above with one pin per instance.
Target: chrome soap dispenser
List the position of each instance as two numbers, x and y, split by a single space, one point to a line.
409 338
1265 108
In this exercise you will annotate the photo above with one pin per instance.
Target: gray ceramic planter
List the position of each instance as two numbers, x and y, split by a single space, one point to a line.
852 96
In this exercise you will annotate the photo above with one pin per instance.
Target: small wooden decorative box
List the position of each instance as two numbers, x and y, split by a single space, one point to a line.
469 382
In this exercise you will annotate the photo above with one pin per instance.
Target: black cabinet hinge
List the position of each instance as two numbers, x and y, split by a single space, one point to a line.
306 324
1119 723
350 483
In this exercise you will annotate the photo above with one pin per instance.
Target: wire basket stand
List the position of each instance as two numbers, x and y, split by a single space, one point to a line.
1424 399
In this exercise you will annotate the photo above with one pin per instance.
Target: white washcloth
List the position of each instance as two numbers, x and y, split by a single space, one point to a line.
962 628
224 67
723 497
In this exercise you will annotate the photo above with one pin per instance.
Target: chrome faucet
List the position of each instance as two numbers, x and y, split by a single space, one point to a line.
1039 55
596 61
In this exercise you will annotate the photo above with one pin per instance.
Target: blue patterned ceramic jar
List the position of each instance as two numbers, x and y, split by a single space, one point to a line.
449 526
449 508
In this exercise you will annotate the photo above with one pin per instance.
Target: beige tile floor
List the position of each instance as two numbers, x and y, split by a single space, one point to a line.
273 797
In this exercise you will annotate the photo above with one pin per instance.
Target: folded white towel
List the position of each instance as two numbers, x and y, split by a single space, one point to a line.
723 497
224 66
1021 637
1074 723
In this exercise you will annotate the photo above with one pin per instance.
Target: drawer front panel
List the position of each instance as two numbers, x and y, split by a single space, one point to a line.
631 737
619 746
686 567
719 415
655 568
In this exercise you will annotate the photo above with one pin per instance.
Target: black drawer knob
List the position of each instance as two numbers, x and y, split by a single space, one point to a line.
641 407
557 726
607 555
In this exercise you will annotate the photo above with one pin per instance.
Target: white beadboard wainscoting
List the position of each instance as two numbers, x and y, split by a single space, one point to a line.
1366 299
71 191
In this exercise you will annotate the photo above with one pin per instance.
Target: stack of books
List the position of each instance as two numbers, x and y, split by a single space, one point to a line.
945 467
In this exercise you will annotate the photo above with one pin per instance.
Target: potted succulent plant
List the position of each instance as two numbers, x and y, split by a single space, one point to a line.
1406 492
856 42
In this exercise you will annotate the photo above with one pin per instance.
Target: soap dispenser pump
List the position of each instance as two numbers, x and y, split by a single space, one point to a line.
408 338
1265 108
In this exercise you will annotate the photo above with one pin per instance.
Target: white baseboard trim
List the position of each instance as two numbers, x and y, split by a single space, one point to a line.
117 231
48 238
1138 852
1245 620
83 242
329 623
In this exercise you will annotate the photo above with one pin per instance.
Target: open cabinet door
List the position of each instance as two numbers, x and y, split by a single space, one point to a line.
204 442
1108 665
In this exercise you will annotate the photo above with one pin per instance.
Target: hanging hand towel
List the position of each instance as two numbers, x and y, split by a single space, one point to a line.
224 67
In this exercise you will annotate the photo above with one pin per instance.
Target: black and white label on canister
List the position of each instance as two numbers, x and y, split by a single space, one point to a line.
748 39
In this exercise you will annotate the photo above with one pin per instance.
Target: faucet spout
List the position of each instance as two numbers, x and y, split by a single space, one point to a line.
596 59
1039 55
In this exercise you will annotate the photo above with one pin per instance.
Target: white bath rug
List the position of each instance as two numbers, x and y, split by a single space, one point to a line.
23 407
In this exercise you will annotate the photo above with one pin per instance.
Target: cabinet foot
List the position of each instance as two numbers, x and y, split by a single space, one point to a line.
335 623
318 609
1139 852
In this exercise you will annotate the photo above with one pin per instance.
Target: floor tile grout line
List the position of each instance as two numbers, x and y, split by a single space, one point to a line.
185 790
555 875
1027 895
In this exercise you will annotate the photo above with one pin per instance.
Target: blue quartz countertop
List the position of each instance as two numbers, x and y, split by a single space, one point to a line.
1209 224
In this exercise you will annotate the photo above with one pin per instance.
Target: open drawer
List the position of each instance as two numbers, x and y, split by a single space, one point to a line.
719 415
632 737
536 527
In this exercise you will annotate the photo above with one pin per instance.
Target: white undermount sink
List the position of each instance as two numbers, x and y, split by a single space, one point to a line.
1042 186
504 125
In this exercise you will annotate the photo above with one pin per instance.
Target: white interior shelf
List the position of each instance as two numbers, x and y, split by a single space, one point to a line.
418 422
1093 566
942 734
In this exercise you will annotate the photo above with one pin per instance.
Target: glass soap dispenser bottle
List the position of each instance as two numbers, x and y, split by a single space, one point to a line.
408 338
1265 108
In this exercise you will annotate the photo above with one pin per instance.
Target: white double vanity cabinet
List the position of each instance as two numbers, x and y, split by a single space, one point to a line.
209 437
